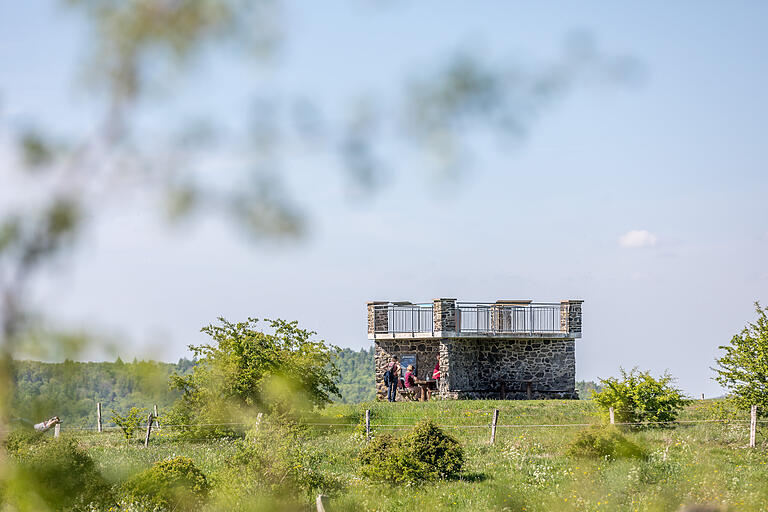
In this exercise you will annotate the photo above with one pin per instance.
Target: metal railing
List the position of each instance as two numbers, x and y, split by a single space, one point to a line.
530 318
409 318
473 318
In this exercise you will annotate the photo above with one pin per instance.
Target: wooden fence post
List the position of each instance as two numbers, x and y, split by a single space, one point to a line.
258 422
752 426
319 503
149 429
493 425
56 430
98 417
610 413
157 423
367 423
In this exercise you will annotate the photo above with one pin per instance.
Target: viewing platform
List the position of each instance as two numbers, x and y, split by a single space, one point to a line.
449 318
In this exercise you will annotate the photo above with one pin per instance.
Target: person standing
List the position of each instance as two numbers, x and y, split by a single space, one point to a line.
436 371
391 378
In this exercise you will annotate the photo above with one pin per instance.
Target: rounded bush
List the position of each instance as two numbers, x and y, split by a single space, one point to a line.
426 453
173 483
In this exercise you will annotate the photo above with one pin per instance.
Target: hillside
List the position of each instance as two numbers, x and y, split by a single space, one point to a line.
71 389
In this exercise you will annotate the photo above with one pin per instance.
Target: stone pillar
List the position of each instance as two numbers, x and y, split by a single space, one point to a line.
444 385
570 317
444 314
378 321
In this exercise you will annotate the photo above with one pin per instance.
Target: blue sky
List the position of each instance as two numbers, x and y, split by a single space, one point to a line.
679 156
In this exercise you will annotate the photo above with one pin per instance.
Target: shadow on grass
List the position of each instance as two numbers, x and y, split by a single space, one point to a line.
470 477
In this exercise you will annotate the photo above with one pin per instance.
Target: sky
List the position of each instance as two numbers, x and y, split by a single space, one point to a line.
647 201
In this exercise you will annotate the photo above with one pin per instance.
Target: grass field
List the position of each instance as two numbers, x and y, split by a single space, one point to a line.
526 469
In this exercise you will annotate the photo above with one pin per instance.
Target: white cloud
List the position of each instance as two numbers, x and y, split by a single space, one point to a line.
637 238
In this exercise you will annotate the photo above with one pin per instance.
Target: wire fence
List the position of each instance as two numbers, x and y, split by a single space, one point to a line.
413 424
404 422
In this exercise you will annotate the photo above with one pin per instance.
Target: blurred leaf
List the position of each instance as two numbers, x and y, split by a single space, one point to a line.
10 231
36 151
264 210
130 32
63 217
181 200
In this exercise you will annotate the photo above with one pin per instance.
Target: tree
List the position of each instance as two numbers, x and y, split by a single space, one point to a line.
638 397
743 370
246 370
129 422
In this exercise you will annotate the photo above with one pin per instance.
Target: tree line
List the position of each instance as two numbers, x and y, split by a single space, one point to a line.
71 388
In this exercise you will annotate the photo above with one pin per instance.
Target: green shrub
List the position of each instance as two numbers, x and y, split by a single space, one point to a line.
173 483
56 474
129 422
440 453
381 459
604 442
638 397
425 453
20 441
276 454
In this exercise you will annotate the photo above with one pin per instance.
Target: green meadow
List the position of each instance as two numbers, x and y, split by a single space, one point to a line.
527 469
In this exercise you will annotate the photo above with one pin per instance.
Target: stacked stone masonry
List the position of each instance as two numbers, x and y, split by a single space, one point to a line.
378 320
444 314
487 368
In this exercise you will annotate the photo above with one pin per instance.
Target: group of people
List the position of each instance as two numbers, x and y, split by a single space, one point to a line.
394 380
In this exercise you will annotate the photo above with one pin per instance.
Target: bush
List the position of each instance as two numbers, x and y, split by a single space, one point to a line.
55 473
426 453
173 483
638 397
19 442
604 442
130 422
277 455
440 453
381 459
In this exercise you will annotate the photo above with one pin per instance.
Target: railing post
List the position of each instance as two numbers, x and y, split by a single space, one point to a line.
444 313
367 423
378 321
570 317
752 425
610 414
98 417
530 318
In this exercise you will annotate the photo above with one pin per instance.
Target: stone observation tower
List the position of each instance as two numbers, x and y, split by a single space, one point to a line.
507 349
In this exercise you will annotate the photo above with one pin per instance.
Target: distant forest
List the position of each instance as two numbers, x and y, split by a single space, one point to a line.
71 389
